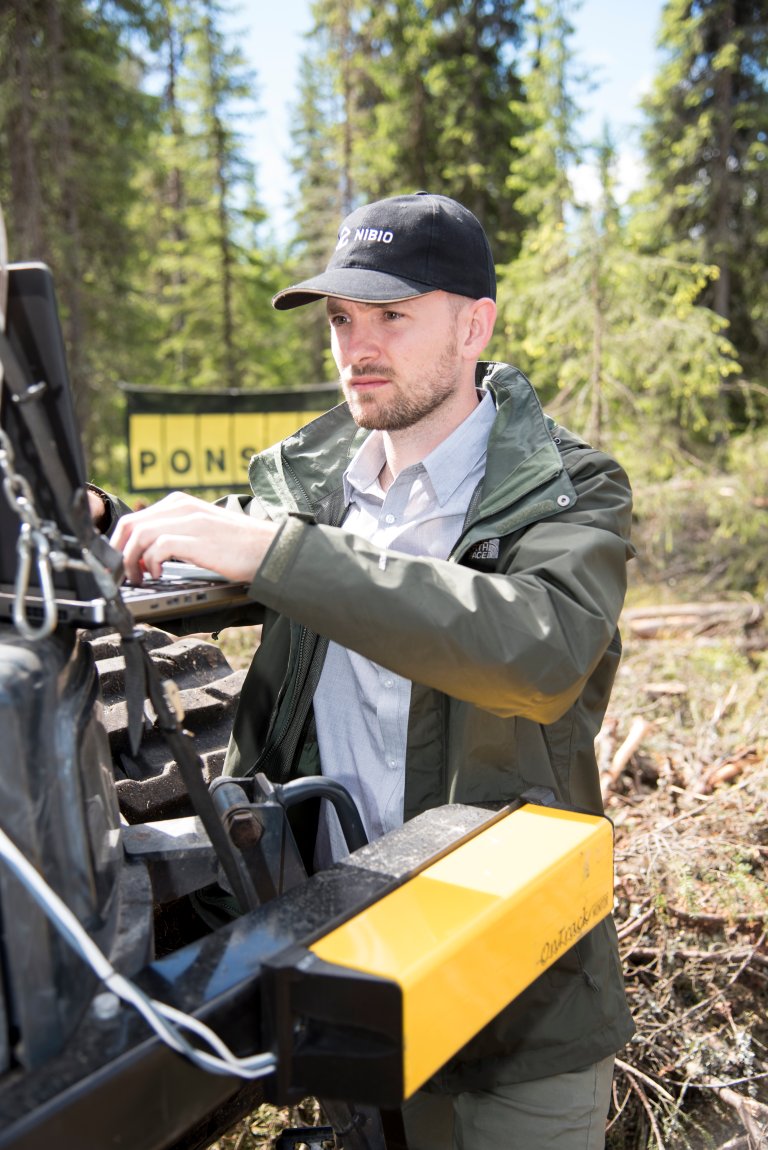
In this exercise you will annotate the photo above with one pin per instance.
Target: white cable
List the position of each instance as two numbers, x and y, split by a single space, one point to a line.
165 1020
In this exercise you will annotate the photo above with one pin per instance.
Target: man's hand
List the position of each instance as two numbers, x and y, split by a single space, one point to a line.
183 527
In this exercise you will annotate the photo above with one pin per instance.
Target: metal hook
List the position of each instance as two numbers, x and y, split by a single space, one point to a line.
31 541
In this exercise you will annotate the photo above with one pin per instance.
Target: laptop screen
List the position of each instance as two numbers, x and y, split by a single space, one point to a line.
34 332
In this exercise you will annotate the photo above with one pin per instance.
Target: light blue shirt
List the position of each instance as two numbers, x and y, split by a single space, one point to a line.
361 708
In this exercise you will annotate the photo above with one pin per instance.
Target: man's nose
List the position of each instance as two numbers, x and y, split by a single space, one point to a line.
362 343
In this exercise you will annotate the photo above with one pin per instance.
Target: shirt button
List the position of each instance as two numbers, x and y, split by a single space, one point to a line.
388 683
389 519
391 762
563 500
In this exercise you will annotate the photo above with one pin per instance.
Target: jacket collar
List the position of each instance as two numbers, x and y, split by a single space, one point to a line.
305 470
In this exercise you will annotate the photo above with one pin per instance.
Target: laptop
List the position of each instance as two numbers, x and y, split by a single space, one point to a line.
34 332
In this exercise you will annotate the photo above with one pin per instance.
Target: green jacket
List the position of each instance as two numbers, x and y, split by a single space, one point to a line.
511 645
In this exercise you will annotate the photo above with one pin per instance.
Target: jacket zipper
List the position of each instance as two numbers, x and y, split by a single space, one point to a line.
310 658
281 748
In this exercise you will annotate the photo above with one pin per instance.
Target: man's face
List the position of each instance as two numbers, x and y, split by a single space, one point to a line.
397 362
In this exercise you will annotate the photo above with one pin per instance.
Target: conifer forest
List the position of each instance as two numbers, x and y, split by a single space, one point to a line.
122 165
641 320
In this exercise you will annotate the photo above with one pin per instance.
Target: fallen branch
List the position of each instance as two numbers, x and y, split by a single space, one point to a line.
725 770
750 609
637 1088
665 689
716 921
605 743
618 1106
752 1114
694 618
633 1073
682 955
637 732
634 924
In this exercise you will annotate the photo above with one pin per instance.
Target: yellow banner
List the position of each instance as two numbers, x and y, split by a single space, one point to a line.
205 449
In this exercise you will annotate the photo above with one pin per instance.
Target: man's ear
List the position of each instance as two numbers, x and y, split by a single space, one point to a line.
480 319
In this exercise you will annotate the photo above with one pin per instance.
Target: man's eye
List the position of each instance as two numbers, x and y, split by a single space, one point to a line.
392 314
338 320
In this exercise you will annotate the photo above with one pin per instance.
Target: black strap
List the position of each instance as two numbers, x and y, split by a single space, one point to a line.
142 679
26 394
394 1129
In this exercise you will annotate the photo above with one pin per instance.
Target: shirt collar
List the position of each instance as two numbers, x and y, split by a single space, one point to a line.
447 466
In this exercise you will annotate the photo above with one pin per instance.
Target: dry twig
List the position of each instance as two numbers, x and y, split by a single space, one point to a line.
639 729
753 1115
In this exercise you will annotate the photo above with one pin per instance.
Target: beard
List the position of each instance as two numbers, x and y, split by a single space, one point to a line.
407 406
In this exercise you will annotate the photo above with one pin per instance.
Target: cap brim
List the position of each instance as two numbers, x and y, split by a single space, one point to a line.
359 284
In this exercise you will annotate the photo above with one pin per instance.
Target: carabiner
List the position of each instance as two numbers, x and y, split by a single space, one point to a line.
31 540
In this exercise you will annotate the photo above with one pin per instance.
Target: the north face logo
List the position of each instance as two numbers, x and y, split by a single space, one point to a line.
488 549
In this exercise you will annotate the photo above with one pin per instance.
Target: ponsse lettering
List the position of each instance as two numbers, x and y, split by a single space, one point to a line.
568 935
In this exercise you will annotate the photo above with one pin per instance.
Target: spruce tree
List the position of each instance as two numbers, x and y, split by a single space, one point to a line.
207 278
322 196
706 148
424 96
611 335
74 125
444 100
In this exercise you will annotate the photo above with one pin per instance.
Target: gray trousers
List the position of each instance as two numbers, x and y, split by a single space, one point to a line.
564 1112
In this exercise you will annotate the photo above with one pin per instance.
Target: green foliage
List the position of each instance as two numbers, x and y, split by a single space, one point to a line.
122 165
422 94
706 147
139 195
611 335
547 147
204 284
322 172
613 338
613 313
704 533
74 124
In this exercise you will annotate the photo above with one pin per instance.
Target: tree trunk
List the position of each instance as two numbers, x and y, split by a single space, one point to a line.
69 274
26 238
724 180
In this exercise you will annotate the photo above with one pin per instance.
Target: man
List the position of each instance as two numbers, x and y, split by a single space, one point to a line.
441 570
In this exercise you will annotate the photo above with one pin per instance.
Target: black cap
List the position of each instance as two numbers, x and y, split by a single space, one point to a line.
402 247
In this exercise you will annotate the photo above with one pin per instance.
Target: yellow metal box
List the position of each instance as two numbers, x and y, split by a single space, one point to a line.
400 987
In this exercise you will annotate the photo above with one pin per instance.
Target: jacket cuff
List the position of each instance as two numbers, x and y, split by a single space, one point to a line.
284 547
106 521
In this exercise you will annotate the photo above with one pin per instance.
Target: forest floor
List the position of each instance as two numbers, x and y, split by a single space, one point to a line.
684 763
